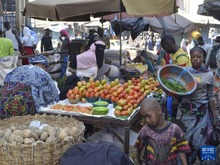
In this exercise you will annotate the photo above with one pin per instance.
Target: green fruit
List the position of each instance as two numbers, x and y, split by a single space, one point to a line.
118 108
82 88
100 104
100 110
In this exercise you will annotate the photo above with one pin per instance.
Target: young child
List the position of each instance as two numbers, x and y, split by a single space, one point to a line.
163 141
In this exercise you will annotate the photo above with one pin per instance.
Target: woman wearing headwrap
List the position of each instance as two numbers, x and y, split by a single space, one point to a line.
28 42
27 88
64 38
196 110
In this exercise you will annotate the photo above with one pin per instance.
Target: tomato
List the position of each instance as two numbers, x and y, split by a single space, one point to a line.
125 108
92 94
120 90
72 96
87 94
97 94
105 92
117 113
77 96
114 93
125 85
68 95
124 113
70 91
129 97
107 96
116 99
133 101
90 90
113 98
102 95
131 92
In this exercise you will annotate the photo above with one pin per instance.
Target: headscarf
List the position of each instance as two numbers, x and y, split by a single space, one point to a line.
26 31
64 32
39 59
202 68
196 48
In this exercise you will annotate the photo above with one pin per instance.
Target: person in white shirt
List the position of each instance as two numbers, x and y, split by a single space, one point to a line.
12 34
28 42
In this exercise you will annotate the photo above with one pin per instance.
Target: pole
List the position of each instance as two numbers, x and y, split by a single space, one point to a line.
120 54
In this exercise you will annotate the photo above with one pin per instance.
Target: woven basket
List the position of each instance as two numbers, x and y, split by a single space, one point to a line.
38 153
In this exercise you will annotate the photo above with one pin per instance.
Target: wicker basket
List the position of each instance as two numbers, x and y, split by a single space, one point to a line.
38 153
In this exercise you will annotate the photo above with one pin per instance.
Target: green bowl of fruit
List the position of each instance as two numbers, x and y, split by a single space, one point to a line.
100 111
100 104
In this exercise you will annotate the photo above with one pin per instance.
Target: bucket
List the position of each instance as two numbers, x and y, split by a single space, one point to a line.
195 34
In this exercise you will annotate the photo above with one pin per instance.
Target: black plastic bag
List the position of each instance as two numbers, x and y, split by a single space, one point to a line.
215 136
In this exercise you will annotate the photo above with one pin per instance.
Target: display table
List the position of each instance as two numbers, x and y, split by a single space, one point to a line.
108 121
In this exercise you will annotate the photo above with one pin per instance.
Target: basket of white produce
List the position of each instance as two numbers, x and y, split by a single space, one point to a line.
38 140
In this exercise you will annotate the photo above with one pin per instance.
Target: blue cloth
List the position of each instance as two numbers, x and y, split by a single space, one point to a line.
64 65
44 91
169 105
39 59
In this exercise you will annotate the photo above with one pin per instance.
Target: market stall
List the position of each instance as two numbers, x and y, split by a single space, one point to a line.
105 121
117 103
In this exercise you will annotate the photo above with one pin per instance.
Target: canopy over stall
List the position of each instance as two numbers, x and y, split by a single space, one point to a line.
152 8
210 8
173 24
74 10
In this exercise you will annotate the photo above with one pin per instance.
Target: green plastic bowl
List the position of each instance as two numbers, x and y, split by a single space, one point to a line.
114 104
100 104
92 100
100 111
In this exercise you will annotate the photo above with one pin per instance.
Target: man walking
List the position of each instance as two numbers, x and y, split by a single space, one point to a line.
46 41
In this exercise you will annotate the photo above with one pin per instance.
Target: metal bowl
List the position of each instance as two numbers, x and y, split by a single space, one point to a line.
179 74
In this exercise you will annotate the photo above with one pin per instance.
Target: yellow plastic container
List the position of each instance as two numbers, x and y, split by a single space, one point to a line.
195 34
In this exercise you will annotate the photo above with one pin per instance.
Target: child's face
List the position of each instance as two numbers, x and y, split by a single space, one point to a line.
151 116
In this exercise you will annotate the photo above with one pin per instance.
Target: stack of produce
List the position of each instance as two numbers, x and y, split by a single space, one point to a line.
38 139
126 97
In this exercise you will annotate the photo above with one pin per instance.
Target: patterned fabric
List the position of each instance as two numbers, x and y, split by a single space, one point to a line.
43 89
161 146
192 115
39 59
16 100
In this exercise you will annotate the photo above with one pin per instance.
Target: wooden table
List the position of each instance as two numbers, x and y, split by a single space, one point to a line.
110 122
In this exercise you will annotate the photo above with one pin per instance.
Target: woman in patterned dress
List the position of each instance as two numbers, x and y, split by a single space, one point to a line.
27 88
196 110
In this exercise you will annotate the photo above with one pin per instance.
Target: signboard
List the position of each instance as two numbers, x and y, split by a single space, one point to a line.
208 152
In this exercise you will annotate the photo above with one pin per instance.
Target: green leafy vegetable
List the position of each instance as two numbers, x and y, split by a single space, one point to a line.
174 85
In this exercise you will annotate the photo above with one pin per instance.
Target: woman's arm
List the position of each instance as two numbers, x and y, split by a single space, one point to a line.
212 105
212 108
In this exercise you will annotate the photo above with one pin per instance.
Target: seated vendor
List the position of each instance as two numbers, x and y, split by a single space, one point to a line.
27 88
87 62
